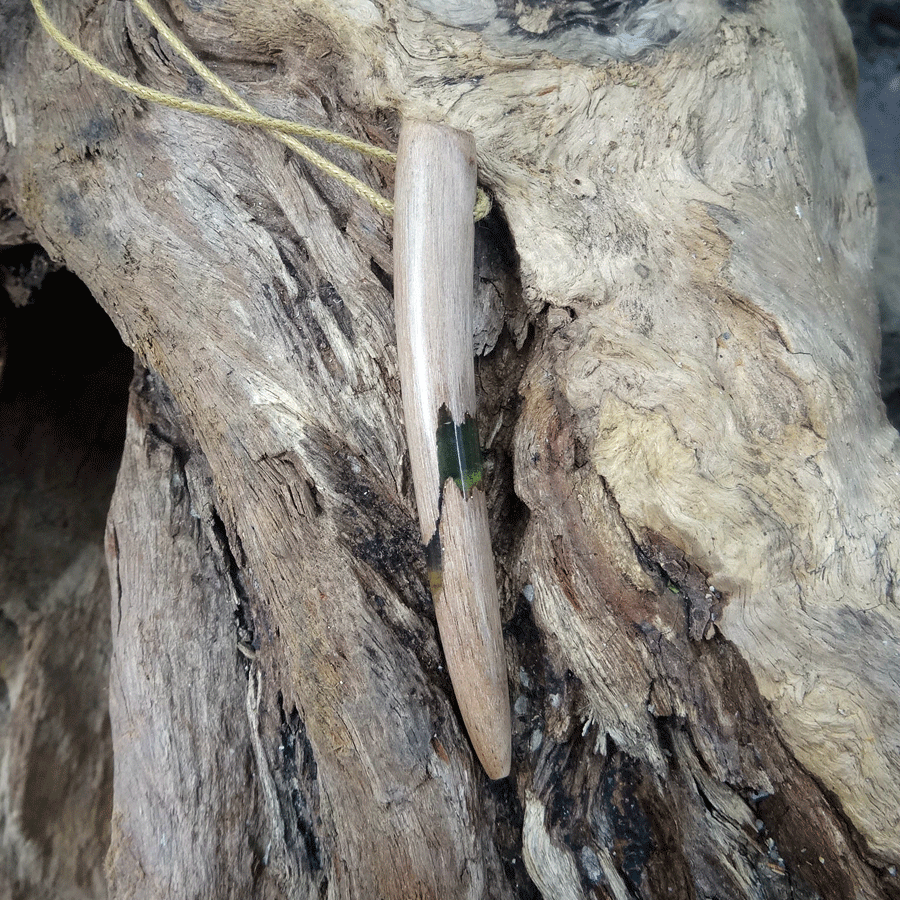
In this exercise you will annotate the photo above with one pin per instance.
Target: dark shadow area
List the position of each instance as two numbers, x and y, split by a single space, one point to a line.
876 35
64 380
63 396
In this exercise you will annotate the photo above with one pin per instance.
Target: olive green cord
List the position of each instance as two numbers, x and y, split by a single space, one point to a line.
242 114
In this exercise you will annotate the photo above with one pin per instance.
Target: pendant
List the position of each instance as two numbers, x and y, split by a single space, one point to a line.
434 241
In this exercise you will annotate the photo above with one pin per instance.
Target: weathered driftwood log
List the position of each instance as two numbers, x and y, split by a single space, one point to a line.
693 490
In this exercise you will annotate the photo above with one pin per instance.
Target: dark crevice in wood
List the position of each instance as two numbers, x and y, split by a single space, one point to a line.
63 400
299 794
386 280
498 376
243 613
507 834
332 301
703 603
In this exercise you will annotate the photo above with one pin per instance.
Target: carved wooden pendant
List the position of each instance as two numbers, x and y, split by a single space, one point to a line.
434 238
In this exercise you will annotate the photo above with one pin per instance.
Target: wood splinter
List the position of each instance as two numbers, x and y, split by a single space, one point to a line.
434 239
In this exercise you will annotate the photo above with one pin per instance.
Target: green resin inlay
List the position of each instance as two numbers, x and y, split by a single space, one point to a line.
459 458
459 453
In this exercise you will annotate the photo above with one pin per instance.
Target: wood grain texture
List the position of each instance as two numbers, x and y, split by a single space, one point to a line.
434 247
692 487
434 240
468 617
172 613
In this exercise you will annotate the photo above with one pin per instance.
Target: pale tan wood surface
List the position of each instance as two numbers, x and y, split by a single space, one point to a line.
468 617
434 267
434 243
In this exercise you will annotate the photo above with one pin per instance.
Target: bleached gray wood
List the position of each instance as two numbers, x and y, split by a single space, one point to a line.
434 240
683 398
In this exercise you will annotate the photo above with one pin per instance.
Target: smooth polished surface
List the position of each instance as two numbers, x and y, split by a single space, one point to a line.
434 236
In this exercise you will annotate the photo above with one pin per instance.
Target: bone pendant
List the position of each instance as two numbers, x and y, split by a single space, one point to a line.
434 238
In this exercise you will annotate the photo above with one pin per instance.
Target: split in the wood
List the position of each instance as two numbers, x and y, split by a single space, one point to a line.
460 462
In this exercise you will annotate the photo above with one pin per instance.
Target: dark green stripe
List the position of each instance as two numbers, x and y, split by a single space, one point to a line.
459 453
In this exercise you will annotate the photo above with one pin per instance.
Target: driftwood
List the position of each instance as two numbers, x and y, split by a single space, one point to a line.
692 486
